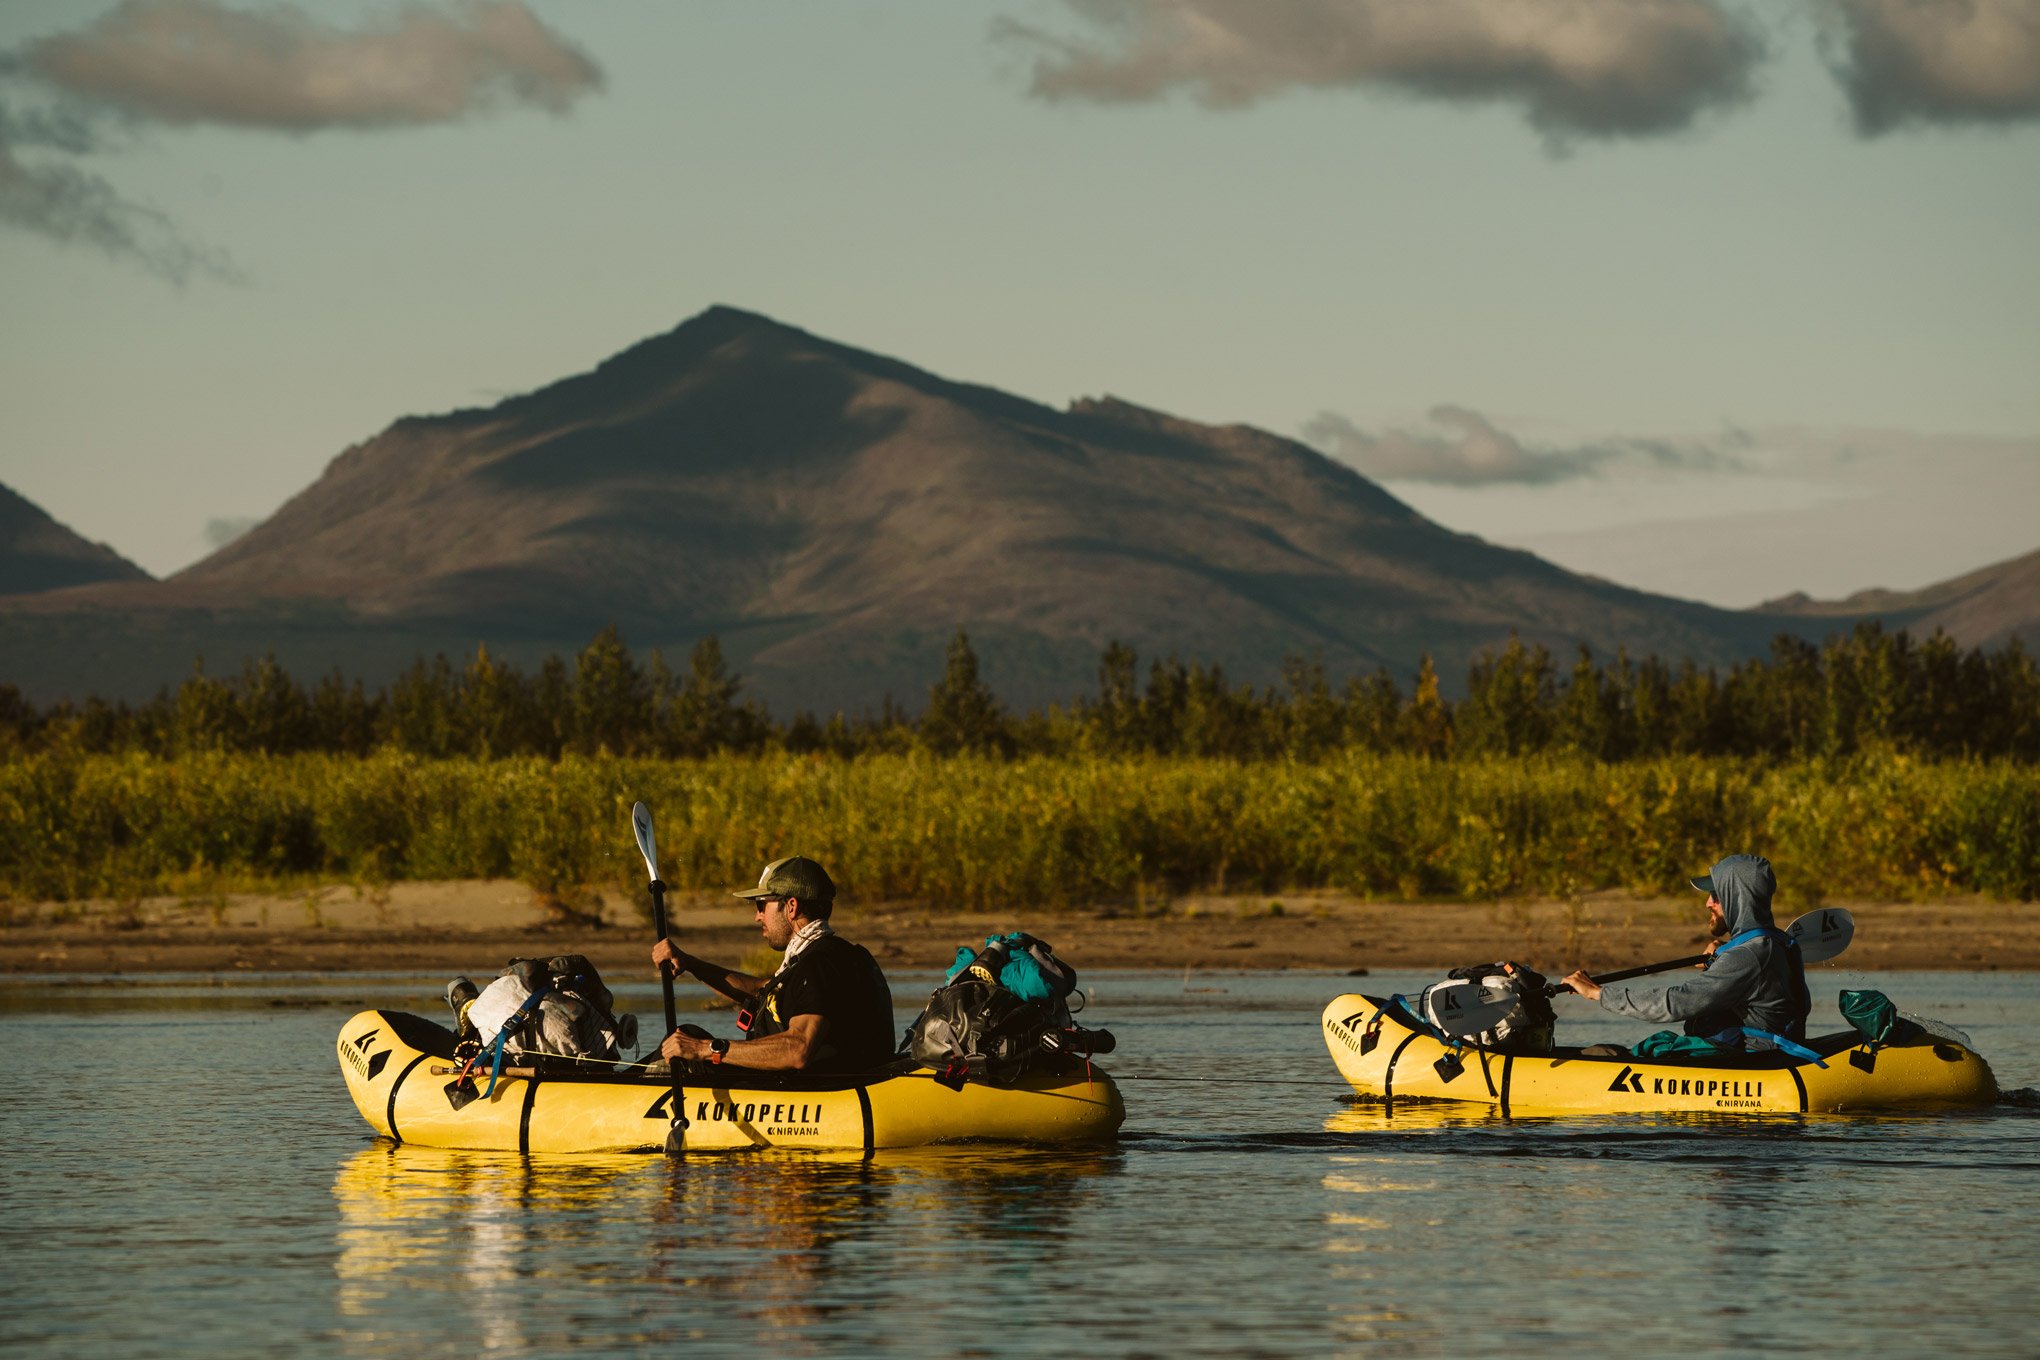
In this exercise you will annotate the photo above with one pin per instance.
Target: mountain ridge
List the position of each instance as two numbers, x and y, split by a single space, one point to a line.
39 554
834 516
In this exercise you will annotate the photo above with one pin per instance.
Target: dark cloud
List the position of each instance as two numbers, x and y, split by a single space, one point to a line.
1577 68
1949 62
1467 449
179 62
199 61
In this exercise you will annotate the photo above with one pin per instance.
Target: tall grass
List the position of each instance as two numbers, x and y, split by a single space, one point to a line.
1044 831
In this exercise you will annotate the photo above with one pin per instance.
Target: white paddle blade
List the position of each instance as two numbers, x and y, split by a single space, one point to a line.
647 844
1463 1009
1822 934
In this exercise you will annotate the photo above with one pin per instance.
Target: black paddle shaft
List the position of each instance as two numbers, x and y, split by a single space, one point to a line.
665 978
672 1014
1601 979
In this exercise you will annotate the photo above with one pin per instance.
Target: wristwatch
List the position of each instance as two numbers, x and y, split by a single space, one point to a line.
718 1049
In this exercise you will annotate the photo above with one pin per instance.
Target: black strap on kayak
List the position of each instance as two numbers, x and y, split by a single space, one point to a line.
1388 1073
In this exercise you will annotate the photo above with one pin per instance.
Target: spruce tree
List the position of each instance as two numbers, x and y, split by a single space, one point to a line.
1373 707
1310 720
1115 720
274 714
421 713
1427 722
705 715
1509 698
492 718
962 714
612 700
205 715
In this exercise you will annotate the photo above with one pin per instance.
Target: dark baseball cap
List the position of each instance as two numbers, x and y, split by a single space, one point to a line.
794 876
1705 883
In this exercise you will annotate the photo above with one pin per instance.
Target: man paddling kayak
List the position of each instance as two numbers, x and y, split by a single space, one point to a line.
826 1009
1751 992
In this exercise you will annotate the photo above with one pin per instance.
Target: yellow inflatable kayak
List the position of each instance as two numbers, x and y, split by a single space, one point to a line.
1383 1052
394 1065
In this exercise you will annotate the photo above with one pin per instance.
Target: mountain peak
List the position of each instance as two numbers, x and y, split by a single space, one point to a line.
38 554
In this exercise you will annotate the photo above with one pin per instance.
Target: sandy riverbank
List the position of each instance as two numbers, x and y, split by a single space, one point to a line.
473 927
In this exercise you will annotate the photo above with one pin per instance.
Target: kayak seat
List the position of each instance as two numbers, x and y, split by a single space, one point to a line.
420 1033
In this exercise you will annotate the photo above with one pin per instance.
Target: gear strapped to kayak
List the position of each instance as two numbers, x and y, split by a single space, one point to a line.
1502 1007
540 1012
1004 1011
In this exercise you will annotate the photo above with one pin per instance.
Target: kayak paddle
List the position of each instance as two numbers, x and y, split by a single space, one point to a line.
648 846
1820 935
1460 1010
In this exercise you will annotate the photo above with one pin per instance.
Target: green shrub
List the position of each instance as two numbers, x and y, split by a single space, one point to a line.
979 832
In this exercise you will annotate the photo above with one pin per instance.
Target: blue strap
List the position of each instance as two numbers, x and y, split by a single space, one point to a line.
1753 933
1415 1020
510 1027
496 1064
1777 1041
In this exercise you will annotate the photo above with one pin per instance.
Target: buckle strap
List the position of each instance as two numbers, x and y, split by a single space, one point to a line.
1789 1047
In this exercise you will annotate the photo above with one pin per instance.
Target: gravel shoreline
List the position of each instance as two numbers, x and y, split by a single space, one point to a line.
473 927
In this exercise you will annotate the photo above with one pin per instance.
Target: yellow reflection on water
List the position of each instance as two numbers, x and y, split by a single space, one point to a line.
518 1242
1411 1116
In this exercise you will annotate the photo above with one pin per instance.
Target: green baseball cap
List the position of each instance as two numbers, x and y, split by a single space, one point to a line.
794 876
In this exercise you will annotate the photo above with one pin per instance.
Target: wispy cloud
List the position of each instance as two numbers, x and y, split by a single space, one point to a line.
1946 62
1576 68
1465 448
220 532
175 63
61 201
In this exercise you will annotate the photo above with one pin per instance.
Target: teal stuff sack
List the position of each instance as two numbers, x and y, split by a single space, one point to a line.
1024 966
1876 1019
1668 1044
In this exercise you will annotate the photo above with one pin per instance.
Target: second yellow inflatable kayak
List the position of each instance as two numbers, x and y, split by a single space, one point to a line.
1383 1052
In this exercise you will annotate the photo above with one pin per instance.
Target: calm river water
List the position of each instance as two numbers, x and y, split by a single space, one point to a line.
184 1175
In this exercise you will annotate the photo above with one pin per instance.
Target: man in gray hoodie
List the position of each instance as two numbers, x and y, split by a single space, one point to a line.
1752 986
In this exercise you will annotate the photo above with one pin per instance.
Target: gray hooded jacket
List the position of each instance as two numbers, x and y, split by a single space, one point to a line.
1759 983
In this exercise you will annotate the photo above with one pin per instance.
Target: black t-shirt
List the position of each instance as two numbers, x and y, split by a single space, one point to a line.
842 983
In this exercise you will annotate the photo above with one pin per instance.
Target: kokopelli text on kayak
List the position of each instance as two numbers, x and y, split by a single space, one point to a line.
1628 1079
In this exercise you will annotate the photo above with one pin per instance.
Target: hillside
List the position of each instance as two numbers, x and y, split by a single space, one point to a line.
1982 608
834 516
38 554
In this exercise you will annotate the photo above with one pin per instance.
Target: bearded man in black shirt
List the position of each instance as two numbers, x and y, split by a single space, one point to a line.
827 1008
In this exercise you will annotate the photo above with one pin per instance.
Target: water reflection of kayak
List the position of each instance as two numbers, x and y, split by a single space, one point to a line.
1383 1053
389 1057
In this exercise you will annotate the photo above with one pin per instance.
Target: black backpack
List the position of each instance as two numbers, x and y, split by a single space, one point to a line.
977 1028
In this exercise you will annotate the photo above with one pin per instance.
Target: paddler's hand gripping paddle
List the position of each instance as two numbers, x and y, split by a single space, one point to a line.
648 846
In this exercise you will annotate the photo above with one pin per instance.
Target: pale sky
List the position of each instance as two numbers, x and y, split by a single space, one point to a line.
1717 298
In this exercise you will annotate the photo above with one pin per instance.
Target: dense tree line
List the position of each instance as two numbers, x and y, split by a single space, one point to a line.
1870 689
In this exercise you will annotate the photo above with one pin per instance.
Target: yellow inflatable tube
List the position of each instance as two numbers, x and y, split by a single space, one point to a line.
388 1059
1383 1053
